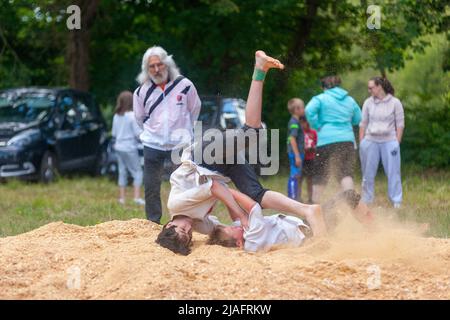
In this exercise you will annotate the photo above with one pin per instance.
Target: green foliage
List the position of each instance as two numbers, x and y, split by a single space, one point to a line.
32 43
213 43
401 27
424 88
427 141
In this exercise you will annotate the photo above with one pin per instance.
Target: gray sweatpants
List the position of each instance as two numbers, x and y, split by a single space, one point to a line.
370 153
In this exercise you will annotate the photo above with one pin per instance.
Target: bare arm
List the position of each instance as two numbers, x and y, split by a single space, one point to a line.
298 160
362 131
364 121
243 200
223 193
294 146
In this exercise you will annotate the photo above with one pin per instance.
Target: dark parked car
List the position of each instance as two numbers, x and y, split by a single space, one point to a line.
216 112
44 131
222 112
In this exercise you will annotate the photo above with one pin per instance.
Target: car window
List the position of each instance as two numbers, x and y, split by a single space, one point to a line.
68 113
229 118
230 105
241 111
85 107
25 107
208 111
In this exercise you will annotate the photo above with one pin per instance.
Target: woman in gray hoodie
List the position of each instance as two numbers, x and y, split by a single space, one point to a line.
380 134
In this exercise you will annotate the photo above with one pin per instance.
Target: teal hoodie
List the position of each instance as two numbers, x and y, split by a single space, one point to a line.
333 114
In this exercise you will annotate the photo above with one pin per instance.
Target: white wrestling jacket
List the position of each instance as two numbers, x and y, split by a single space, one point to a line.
160 112
190 193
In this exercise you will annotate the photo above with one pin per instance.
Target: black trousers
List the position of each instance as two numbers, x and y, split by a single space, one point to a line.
153 170
244 178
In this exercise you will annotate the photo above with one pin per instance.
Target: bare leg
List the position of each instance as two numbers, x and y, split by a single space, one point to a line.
360 210
254 100
137 192
312 213
271 199
222 193
363 214
122 193
243 200
347 183
317 192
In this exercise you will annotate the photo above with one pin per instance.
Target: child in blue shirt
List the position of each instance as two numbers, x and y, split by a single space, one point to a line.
295 145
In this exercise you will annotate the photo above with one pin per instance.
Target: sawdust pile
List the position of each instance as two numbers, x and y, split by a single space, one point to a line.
119 260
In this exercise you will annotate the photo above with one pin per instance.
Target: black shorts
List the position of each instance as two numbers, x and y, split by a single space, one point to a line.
243 175
244 178
308 168
337 158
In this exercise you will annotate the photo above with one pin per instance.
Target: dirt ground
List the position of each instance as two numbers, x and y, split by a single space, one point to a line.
119 260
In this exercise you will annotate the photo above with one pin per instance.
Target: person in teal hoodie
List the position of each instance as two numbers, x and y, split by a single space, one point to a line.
333 114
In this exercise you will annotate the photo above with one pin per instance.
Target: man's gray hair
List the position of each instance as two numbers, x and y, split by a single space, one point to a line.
165 58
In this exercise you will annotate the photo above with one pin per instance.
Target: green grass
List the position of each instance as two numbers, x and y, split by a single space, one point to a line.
88 201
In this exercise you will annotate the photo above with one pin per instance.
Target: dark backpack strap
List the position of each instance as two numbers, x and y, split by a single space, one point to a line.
149 92
161 97
177 81
138 90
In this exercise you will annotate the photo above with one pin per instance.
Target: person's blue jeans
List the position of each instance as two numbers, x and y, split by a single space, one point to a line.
294 176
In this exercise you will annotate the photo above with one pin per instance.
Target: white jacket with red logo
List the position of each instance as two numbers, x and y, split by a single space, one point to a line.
177 109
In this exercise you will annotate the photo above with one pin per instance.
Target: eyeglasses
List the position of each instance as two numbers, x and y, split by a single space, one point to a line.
153 66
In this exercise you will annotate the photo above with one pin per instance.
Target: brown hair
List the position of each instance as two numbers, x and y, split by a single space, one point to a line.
169 239
124 102
329 82
292 103
218 236
384 82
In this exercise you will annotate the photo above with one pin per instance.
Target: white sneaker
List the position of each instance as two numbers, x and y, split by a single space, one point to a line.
139 201
397 205
121 200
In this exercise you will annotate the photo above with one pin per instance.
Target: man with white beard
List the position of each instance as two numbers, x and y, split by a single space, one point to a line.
164 102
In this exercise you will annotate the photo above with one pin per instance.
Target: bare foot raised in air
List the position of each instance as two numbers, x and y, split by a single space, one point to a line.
264 62
315 219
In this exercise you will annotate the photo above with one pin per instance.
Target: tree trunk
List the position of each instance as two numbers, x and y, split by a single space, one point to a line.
78 46
293 61
294 58
381 68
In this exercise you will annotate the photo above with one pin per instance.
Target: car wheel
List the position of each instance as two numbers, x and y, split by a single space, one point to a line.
112 171
49 168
